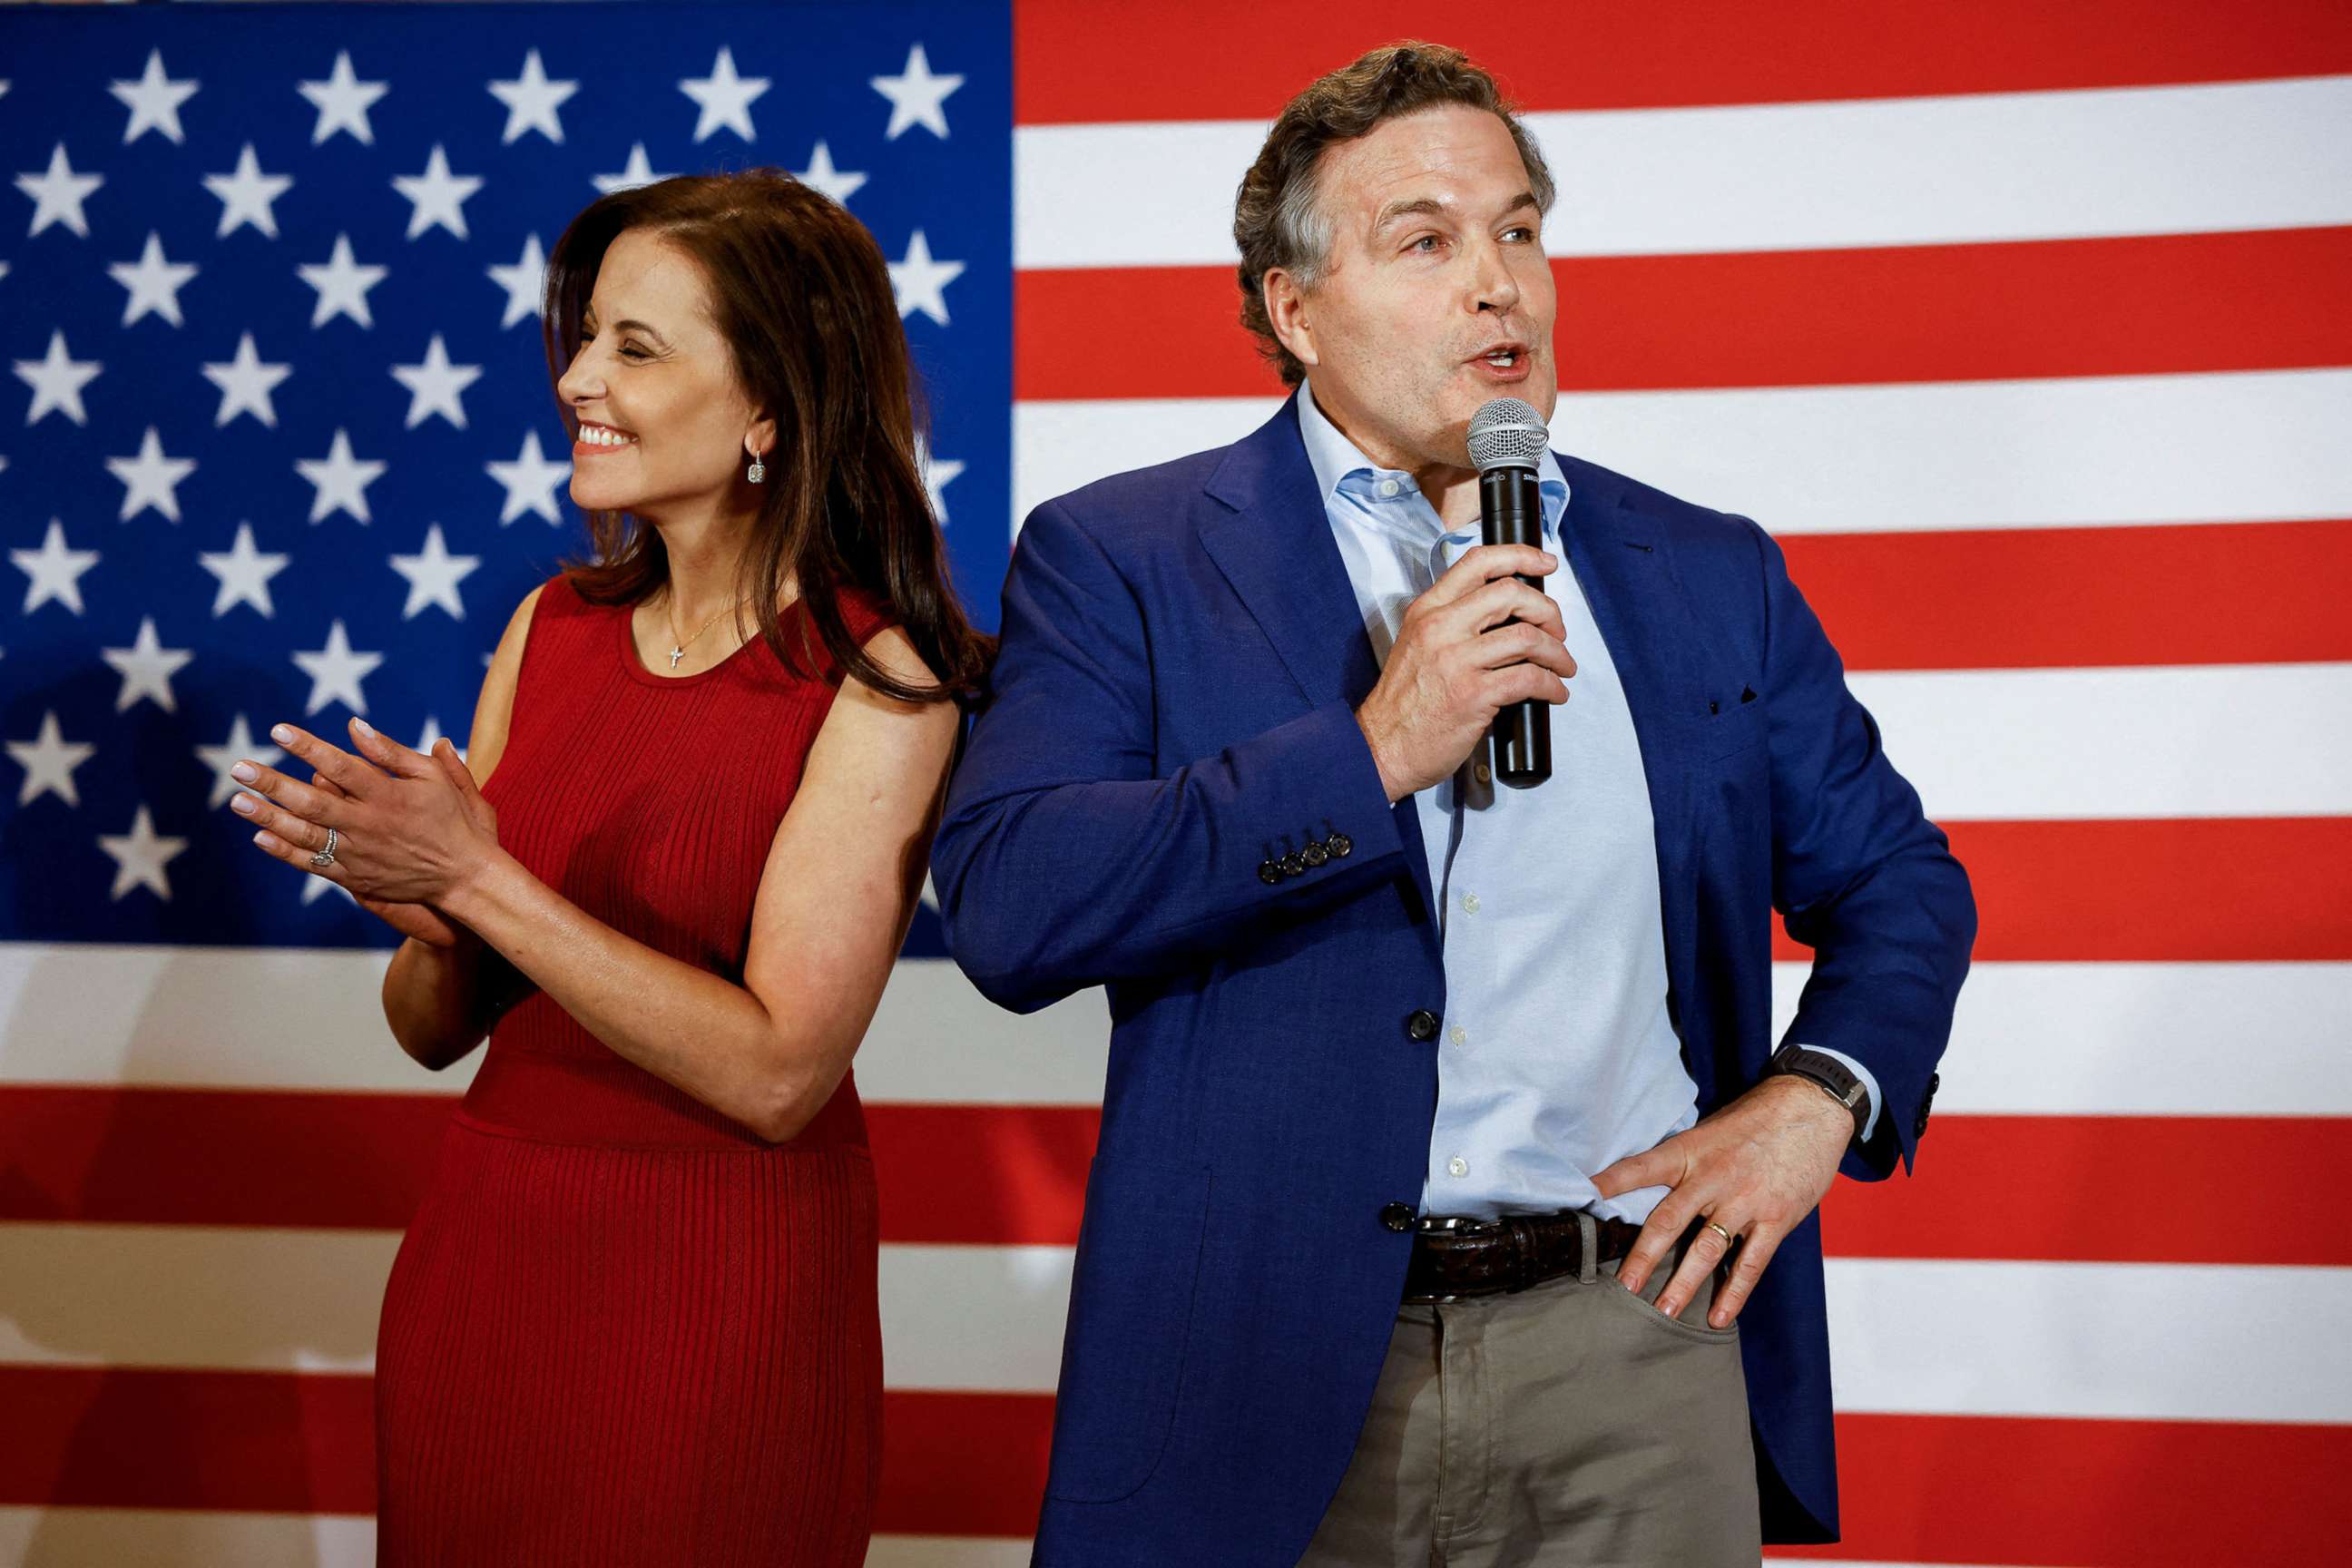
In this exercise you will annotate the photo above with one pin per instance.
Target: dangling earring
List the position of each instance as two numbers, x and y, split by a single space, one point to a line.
756 471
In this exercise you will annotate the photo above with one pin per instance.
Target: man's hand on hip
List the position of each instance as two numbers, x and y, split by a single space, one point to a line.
1757 1167
1460 657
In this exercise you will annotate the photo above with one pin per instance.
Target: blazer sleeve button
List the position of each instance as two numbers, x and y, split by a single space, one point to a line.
1268 872
1292 866
1338 844
1397 1216
1315 854
1421 1025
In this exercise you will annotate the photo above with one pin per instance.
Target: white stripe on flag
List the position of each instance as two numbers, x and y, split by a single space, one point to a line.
2125 1341
2107 1038
2085 744
2079 451
1784 177
307 1018
177 1537
2137 1039
1928 1336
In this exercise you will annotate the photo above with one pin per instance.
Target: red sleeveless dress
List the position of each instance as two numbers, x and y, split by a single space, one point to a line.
622 1329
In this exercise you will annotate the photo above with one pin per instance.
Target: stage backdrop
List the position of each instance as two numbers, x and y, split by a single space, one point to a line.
2027 327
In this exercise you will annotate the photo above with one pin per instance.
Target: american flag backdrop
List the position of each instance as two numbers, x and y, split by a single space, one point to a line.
2027 328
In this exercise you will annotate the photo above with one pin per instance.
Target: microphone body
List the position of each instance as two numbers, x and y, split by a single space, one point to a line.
1506 436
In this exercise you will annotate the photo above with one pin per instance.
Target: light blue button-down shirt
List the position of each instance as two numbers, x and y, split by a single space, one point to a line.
1556 1056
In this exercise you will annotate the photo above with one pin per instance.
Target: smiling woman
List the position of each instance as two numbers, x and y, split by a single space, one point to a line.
634 1319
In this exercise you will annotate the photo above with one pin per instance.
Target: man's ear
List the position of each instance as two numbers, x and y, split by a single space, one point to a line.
1286 308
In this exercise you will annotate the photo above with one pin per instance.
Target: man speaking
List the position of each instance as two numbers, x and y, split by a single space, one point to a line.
1453 1204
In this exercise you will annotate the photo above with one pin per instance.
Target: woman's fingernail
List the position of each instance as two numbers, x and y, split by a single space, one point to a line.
241 804
362 726
282 733
265 839
245 773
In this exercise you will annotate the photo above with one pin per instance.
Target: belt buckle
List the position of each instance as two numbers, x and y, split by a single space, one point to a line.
1450 1225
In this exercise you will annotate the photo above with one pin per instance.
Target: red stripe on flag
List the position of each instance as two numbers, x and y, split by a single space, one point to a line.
1990 1186
986 1174
1015 1175
2052 1187
1077 60
1929 1488
2254 593
268 1442
963 1463
1982 1488
2165 304
235 1157
2173 890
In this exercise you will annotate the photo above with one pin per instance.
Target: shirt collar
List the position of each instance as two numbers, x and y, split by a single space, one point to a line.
1340 466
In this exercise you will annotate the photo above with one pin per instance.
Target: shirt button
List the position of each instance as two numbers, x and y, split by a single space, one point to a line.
1460 1037
1469 903
1483 774
1386 488
1457 1166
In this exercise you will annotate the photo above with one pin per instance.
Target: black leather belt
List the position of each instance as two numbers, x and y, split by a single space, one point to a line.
1454 1257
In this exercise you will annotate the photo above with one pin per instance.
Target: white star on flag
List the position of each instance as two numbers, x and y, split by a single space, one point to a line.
636 172
154 283
237 748
917 96
246 384
151 479
336 671
342 102
726 98
343 285
246 194
58 195
435 385
525 282
154 101
49 760
434 733
140 857
921 282
434 576
938 474
57 380
244 574
146 668
529 480
436 197
531 102
54 571
824 178
340 480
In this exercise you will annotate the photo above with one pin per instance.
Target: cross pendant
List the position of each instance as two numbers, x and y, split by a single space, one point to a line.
675 655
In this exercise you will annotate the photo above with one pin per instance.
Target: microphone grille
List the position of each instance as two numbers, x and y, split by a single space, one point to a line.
1506 433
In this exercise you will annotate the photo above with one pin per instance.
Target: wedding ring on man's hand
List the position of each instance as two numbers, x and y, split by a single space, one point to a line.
1727 1237
325 858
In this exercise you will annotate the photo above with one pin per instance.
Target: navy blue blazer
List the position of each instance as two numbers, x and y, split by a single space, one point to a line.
1173 704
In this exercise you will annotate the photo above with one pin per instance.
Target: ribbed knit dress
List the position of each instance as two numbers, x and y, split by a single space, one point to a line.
622 1329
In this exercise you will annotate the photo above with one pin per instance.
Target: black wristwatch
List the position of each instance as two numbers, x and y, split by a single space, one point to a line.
1836 1079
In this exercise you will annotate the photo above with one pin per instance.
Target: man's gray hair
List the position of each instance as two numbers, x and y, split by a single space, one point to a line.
1279 217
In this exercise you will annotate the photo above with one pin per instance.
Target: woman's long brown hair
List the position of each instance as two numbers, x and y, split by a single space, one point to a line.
802 297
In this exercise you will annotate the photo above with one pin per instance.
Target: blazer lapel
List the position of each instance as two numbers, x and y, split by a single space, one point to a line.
1273 542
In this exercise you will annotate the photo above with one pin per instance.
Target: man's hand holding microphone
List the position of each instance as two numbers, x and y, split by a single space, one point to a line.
1476 641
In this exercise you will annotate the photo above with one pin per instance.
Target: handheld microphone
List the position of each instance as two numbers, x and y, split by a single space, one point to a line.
1507 438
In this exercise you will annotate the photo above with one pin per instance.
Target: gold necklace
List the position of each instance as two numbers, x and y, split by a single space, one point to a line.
678 651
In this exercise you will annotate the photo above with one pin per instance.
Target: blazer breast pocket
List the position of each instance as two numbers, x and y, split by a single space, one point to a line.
1734 728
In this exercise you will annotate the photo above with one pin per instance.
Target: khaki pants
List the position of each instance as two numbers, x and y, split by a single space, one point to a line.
1572 1423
